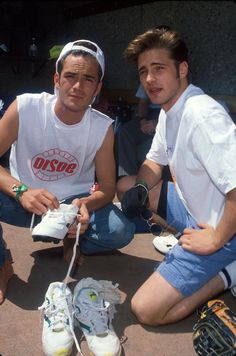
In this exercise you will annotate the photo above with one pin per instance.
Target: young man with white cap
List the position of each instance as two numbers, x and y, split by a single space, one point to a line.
58 144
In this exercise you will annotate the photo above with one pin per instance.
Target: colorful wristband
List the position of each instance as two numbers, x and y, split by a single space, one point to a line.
142 182
19 190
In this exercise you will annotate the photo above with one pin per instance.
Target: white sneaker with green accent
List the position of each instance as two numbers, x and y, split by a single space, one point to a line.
57 336
94 316
55 224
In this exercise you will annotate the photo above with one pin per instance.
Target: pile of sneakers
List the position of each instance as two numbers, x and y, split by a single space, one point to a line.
91 308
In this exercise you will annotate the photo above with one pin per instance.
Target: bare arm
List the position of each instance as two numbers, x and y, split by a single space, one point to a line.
9 125
209 239
150 172
34 200
142 108
106 174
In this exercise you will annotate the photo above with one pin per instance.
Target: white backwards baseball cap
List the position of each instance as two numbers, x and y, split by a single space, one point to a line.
80 45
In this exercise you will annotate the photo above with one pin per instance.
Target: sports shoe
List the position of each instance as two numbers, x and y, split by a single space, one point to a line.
164 243
55 224
231 269
233 291
94 315
57 337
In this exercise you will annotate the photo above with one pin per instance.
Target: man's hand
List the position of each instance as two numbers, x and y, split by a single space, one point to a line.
135 200
38 201
82 217
201 242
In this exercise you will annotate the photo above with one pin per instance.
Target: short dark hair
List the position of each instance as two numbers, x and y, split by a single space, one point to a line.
159 37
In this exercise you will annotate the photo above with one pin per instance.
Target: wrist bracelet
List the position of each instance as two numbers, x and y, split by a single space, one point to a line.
142 182
19 190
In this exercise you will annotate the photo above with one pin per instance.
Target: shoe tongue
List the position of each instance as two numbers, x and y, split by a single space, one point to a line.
59 326
57 294
60 301
92 297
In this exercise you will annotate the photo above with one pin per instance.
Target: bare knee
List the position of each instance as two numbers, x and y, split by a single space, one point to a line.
144 314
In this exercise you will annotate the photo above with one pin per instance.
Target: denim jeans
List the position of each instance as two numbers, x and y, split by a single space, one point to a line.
108 230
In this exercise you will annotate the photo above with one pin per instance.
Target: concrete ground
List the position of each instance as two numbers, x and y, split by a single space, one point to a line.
37 264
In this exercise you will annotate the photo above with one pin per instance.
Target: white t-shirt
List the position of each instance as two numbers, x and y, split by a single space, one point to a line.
197 138
52 155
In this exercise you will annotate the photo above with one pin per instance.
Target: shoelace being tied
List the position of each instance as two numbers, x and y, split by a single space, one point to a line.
61 317
66 282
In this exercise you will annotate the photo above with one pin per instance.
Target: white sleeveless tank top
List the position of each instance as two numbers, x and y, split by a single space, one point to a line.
52 155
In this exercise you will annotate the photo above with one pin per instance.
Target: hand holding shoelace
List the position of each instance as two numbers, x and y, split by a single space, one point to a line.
82 217
135 200
38 201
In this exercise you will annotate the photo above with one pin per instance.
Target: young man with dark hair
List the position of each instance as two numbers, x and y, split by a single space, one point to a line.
196 137
58 143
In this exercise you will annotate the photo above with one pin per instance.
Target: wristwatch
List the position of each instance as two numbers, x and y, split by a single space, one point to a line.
19 190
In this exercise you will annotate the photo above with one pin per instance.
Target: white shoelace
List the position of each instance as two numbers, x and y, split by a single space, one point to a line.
73 255
68 314
100 323
66 281
55 311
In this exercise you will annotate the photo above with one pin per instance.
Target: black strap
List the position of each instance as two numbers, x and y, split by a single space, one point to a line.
161 210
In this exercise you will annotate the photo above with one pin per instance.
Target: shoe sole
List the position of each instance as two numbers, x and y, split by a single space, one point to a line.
58 352
45 239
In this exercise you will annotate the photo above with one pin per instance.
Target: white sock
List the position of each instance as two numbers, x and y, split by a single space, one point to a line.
228 275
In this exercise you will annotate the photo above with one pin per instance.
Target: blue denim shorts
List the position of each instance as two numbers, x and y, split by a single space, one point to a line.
186 271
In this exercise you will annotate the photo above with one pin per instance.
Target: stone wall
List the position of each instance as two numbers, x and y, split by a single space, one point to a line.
209 28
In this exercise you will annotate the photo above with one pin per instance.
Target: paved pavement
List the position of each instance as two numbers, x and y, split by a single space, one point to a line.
38 264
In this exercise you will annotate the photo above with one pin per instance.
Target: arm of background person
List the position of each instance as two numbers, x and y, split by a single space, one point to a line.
142 110
150 172
105 173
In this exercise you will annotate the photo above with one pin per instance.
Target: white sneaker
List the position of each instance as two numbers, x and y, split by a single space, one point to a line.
55 224
164 243
57 336
94 316
231 268
233 291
